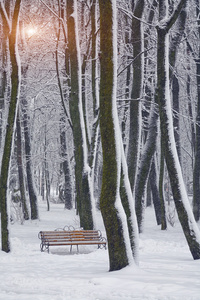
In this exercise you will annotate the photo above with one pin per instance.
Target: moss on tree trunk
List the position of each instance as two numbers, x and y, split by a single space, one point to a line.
9 128
113 223
83 197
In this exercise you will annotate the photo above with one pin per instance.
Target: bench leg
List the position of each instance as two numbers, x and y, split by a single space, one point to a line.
42 247
71 249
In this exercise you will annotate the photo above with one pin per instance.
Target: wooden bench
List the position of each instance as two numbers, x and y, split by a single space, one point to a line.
69 236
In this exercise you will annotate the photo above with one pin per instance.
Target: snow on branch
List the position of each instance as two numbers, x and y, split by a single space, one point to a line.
57 16
5 15
131 15
132 61
167 23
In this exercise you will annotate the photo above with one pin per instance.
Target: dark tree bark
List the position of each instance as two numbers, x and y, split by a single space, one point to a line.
145 165
174 43
153 178
135 104
4 77
148 150
181 200
30 180
93 55
127 38
66 190
161 193
20 169
196 171
83 195
175 98
65 166
46 170
42 182
111 173
191 116
15 84
95 95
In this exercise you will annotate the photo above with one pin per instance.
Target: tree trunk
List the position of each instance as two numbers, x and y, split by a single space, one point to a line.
191 115
42 181
181 200
196 171
66 168
95 88
20 168
161 193
46 170
66 190
146 158
135 104
110 204
9 139
127 38
30 180
175 99
83 195
175 41
145 165
5 73
153 178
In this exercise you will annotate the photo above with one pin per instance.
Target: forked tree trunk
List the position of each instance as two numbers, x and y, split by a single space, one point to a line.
110 203
151 139
181 200
145 165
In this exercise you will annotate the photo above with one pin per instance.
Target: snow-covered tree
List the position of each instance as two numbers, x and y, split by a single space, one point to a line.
115 219
196 173
168 145
12 27
82 169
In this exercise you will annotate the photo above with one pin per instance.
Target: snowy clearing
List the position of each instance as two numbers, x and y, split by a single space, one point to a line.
166 271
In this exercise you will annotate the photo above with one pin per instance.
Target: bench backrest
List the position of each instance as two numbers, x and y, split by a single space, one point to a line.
70 235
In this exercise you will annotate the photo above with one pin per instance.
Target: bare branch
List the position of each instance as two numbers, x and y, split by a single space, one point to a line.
5 15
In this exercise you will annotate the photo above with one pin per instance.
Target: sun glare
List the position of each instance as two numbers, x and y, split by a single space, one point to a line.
30 31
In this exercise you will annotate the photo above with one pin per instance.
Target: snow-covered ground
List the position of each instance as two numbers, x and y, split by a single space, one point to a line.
166 271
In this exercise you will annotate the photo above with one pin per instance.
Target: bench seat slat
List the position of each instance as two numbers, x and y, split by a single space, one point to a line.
59 243
70 240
